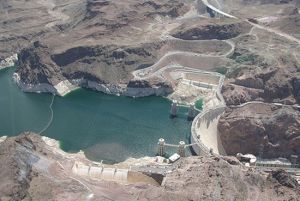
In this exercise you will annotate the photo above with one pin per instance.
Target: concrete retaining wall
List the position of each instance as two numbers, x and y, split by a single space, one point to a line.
110 174
205 132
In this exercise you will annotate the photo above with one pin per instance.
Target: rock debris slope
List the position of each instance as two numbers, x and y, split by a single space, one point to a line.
32 170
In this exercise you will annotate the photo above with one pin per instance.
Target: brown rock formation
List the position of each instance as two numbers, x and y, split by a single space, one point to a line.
31 170
261 129
271 85
284 178
100 41
208 30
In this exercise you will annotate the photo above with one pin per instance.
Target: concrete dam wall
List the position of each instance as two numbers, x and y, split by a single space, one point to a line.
205 134
204 131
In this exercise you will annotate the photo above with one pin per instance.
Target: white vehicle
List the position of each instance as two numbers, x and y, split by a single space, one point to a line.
174 158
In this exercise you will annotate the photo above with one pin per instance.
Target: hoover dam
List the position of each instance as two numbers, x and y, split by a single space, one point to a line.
149 100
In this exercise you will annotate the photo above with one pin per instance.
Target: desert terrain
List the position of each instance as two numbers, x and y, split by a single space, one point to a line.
141 48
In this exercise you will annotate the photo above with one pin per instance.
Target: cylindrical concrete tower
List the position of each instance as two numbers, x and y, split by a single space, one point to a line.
174 108
192 112
161 147
181 149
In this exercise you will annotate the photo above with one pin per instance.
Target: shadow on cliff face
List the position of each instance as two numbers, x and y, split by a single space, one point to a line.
284 178
110 63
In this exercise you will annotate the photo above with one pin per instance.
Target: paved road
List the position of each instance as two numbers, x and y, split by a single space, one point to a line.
261 102
206 3
158 67
268 29
277 32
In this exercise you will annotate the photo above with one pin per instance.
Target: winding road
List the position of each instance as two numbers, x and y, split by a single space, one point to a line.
261 102
268 29
170 59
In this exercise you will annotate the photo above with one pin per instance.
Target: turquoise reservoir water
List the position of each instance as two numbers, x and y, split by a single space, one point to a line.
105 127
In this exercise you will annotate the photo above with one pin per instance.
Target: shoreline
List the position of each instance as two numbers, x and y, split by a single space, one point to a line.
142 161
131 92
3 138
8 62
65 87
62 88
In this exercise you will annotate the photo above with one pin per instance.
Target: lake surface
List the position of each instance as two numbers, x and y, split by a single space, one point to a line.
105 127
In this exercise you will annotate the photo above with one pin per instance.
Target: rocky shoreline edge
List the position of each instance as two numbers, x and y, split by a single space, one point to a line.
35 168
9 61
55 147
67 86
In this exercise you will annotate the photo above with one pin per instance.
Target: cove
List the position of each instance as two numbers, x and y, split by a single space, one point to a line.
106 127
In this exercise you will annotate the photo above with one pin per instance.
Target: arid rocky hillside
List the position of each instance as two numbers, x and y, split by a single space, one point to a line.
105 41
269 126
211 29
100 43
266 71
265 130
32 170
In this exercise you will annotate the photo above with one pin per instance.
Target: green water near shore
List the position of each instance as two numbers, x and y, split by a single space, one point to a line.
105 127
